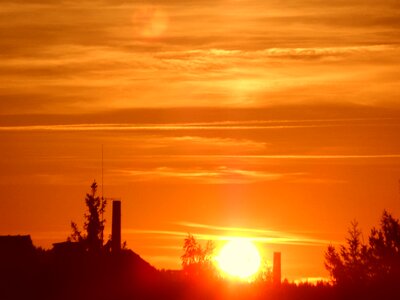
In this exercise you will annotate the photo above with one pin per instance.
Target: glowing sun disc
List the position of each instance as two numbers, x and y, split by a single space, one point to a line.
239 258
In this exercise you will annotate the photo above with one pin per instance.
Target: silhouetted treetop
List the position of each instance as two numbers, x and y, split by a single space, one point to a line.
197 260
375 262
384 252
348 265
94 224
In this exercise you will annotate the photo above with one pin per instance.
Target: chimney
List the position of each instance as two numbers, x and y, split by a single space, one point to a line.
116 227
276 273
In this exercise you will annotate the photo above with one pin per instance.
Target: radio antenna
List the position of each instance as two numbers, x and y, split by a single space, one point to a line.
102 192
102 171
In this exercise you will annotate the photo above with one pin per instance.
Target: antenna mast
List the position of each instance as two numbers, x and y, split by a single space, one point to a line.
102 192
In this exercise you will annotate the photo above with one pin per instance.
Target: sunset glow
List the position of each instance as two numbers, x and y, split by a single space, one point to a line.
239 258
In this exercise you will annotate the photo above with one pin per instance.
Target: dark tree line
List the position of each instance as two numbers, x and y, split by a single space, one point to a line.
372 263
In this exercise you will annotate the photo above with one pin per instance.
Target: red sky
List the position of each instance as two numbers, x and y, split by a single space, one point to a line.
276 121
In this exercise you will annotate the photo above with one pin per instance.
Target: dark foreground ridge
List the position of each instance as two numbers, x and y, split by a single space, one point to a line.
69 272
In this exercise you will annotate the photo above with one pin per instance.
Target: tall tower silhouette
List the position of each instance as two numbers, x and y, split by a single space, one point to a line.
276 272
116 226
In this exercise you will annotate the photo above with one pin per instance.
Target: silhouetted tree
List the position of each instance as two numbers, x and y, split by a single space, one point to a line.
349 265
384 252
192 251
264 275
334 264
93 225
377 261
195 259
208 258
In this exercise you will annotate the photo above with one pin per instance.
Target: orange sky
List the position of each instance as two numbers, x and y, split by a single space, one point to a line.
278 121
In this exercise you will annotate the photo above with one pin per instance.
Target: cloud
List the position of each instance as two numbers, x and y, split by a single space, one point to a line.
202 144
224 233
155 127
276 53
219 175
261 53
227 124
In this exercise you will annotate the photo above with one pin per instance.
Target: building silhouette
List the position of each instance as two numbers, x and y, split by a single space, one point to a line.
16 246
116 226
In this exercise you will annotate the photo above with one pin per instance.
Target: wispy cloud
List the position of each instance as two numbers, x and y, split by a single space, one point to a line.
224 233
261 53
260 235
219 175
277 53
214 125
215 142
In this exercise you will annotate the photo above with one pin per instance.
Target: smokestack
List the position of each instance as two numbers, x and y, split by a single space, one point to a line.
116 227
276 273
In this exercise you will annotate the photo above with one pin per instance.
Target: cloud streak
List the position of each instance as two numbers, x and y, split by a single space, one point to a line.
220 175
225 233
214 125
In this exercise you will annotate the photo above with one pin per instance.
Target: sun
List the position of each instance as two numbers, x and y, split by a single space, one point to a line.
239 258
